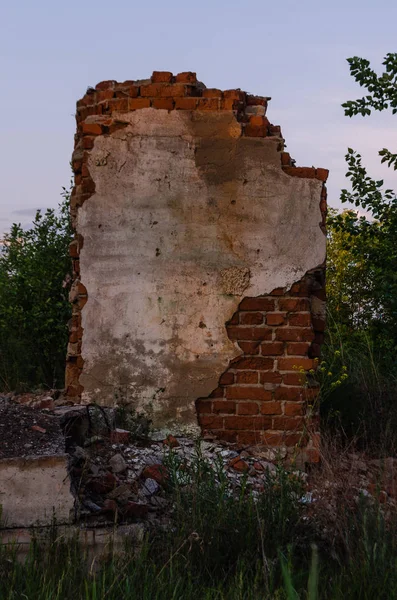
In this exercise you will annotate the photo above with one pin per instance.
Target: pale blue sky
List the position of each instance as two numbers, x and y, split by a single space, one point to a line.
295 52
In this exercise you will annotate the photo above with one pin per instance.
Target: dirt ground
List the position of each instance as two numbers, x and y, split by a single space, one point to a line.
27 431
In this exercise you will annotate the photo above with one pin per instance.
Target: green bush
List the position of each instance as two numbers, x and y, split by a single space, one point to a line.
34 307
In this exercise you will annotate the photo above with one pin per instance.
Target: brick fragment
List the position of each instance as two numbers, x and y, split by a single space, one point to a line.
161 77
255 131
304 172
204 406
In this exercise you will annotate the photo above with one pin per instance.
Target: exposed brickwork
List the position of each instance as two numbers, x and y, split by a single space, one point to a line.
260 398
272 401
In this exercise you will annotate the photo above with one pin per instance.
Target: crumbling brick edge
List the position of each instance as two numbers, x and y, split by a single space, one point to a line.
259 398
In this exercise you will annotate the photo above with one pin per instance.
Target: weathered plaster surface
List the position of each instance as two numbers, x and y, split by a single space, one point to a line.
34 491
188 217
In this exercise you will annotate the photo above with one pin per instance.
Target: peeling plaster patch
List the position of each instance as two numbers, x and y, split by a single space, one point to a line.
235 280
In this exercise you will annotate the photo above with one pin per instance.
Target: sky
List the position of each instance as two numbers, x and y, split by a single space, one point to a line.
295 52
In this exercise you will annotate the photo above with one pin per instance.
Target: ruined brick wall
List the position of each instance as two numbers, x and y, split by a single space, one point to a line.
198 262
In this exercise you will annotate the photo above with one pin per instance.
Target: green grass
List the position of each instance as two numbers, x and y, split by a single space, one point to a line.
222 546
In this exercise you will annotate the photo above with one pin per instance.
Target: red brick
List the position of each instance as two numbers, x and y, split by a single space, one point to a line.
258 303
301 334
306 172
272 348
249 333
294 378
224 407
208 104
185 103
318 324
91 128
256 100
275 319
226 379
161 77
118 104
204 406
104 95
186 77
322 174
247 377
258 121
248 393
234 94
104 85
212 93
293 409
270 377
271 408
287 423
163 90
228 436
243 423
239 465
217 393
229 104
254 363
288 393
125 89
294 304
250 348
300 319
298 348
211 421
137 103
278 292
163 103
255 130
285 159
301 288
290 364
239 422
247 408
253 318
88 142
249 438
